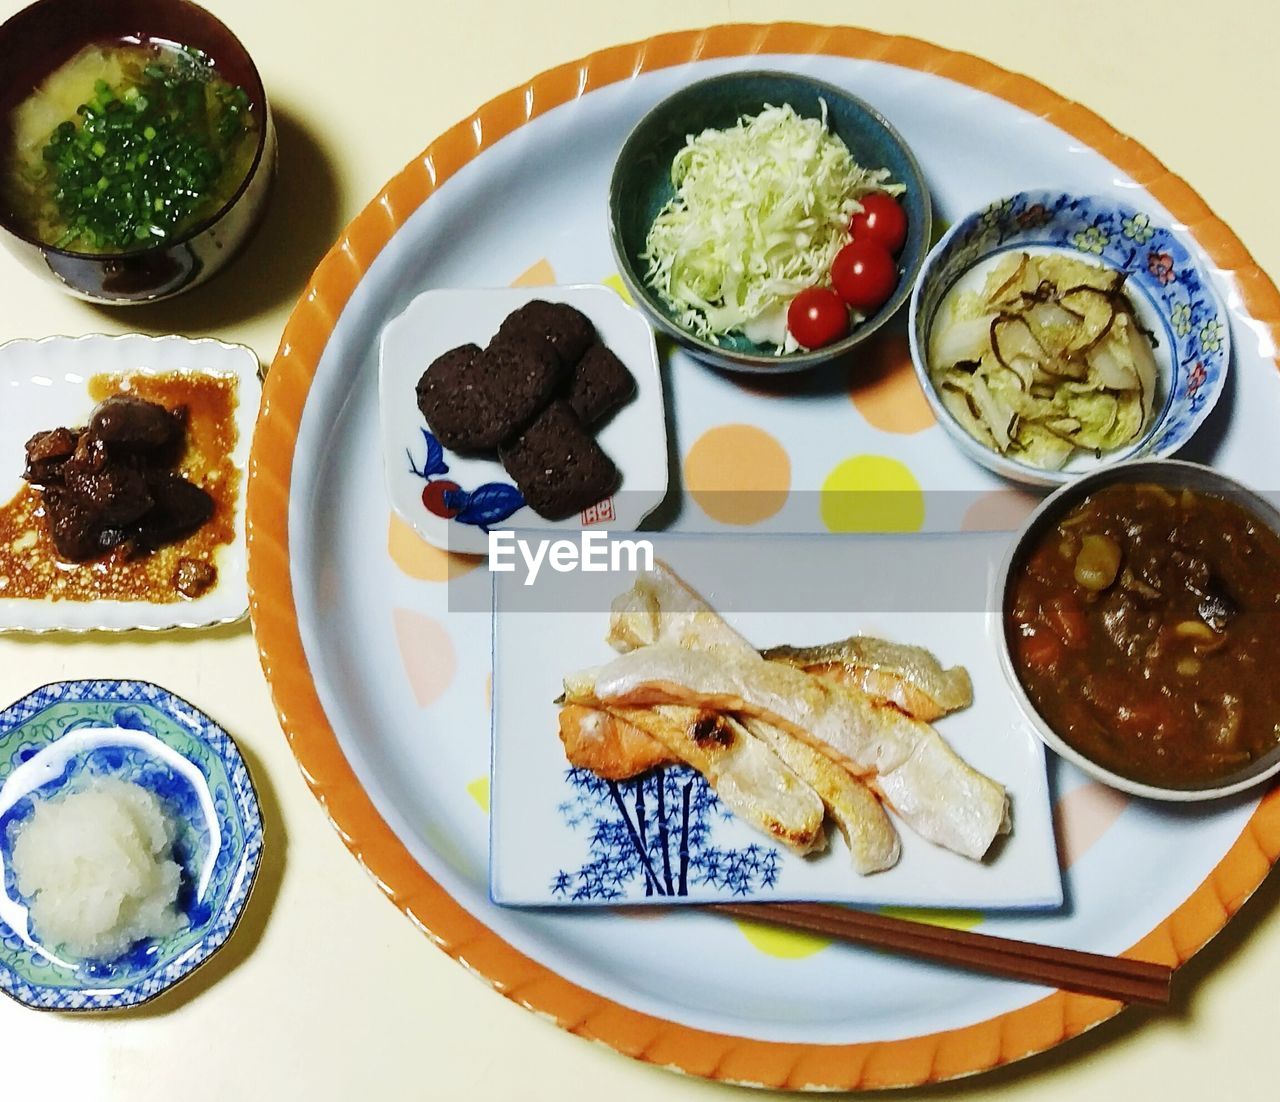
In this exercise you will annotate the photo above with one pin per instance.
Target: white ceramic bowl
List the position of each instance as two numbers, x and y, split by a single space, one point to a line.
1166 280
635 438
1177 475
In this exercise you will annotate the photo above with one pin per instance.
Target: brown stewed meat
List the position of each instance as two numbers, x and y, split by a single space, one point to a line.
180 508
117 492
114 483
72 524
192 578
134 423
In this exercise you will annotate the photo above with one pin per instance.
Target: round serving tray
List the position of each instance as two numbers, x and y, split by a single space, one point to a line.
382 686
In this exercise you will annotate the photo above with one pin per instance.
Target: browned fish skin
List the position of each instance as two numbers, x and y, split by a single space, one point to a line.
748 777
909 677
880 685
661 608
608 746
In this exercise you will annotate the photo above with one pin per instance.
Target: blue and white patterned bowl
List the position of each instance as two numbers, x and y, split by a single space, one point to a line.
55 740
1165 277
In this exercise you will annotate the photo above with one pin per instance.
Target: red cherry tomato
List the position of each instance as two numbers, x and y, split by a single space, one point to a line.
864 275
433 498
882 219
817 316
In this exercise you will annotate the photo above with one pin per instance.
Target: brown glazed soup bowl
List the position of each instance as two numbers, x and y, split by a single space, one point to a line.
42 37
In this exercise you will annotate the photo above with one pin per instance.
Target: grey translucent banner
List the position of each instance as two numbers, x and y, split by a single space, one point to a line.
859 550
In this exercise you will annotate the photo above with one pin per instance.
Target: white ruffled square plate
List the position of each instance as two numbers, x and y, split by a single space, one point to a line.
44 384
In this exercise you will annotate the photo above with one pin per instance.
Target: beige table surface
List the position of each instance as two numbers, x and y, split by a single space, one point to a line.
327 992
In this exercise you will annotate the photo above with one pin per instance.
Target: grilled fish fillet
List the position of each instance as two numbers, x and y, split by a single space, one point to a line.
872 841
616 749
661 608
914 770
608 747
750 778
907 676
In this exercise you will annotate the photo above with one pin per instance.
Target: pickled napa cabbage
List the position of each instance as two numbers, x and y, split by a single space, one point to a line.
1047 359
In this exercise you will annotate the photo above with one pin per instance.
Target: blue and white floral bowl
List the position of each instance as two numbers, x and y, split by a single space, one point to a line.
1166 280
55 740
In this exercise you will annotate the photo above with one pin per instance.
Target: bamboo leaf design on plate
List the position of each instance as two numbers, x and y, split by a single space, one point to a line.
656 830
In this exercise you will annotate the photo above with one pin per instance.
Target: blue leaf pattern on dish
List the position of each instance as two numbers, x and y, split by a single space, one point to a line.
490 504
434 463
483 507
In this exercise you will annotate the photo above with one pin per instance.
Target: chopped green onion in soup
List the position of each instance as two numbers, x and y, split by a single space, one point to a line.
127 145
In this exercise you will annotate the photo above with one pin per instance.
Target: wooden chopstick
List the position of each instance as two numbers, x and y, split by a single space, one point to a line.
1130 981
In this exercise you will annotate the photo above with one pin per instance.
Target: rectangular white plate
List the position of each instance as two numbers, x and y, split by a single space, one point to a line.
561 839
44 384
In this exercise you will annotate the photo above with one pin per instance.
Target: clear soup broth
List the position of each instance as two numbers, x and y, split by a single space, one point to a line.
125 146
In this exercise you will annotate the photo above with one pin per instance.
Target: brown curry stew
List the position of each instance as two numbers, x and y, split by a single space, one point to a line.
1144 625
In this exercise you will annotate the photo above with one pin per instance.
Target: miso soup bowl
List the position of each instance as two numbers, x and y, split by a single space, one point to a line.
1175 475
42 37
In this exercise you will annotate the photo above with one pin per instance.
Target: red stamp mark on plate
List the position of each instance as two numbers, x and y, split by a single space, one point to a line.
600 513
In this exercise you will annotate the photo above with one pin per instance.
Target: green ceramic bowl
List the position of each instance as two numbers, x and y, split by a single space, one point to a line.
641 186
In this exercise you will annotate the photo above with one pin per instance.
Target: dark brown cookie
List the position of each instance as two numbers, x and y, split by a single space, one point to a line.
474 400
558 465
567 330
601 385
451 401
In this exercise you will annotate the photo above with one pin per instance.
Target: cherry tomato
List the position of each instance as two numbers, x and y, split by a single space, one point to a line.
817 316
882 219
864 274
433 498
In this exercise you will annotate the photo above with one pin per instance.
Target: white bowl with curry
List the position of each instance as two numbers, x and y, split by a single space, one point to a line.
1140 608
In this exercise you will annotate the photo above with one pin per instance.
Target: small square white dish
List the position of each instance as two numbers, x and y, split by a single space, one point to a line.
418 467
562 837
45 384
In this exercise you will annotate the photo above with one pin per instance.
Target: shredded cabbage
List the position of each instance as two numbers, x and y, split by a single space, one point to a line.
760 211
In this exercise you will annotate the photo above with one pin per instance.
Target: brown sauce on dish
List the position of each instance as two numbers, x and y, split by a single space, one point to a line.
1145 628
30 566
